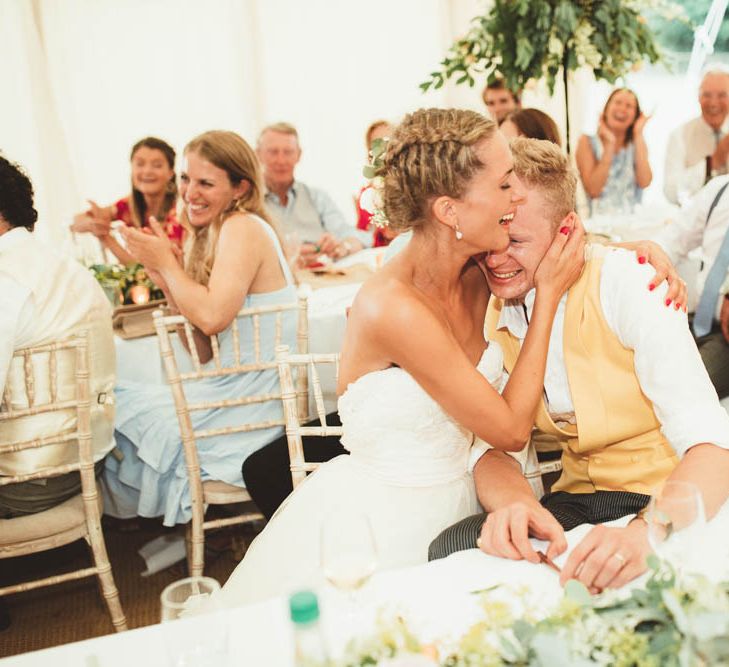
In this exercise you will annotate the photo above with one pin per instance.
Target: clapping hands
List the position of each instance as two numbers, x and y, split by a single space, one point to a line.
151 247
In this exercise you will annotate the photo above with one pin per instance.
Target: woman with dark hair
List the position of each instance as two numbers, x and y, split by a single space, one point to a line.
613 165
532 124
154 194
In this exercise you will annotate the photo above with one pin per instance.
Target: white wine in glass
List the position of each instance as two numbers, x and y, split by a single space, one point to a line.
676 520
348 551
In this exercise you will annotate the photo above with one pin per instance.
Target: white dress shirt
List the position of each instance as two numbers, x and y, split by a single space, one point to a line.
690 231
16 309
667 363
686 152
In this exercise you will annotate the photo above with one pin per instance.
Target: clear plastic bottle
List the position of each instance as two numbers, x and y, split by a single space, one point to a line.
309 649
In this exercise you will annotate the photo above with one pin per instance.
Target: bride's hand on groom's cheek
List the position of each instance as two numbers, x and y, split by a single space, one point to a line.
506 532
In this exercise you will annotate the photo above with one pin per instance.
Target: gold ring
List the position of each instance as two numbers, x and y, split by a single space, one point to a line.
620 557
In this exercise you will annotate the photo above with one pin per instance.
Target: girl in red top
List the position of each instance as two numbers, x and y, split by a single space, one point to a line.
154 194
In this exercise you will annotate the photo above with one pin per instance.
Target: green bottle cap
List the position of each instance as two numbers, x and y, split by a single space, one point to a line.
304 607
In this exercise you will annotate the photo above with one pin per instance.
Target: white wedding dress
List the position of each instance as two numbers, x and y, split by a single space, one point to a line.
407 470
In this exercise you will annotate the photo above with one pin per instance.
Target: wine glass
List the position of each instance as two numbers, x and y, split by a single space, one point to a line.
676 520
203 641
292 248
348 553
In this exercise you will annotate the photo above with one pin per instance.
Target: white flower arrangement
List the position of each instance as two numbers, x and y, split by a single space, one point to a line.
671 621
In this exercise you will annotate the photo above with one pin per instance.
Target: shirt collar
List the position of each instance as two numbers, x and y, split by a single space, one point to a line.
517 313
273 197
514 318
13 237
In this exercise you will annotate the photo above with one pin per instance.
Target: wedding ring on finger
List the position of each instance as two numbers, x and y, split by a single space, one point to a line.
621 559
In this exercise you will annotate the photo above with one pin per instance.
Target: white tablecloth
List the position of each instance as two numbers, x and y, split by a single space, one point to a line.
434 598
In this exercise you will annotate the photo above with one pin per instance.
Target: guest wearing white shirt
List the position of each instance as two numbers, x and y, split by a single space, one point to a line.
625 395
300 208
46 297
699 149
695 228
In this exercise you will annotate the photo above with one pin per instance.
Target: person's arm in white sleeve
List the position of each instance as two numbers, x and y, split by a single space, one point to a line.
678 176
670 372
686 232
13 298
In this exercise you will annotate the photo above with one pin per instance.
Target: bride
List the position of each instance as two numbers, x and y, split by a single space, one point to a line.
417 379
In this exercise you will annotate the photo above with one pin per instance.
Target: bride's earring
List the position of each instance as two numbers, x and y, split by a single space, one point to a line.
459 233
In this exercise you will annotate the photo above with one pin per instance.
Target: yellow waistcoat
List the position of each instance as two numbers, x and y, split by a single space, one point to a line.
617 444
67 300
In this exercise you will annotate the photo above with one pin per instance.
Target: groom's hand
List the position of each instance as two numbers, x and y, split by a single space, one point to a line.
506 532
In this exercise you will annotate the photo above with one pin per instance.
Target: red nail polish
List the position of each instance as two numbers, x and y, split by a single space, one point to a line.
668 302
677 305
564 230
641 260
651 287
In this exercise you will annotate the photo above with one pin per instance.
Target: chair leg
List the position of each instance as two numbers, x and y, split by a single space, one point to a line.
106 578
195 545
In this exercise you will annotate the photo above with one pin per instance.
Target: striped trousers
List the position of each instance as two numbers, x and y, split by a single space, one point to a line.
570 509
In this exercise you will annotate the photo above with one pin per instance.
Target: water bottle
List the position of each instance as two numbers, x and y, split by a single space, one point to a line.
309 648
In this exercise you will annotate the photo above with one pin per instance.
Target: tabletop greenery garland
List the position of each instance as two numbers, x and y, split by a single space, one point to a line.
118 281
671 622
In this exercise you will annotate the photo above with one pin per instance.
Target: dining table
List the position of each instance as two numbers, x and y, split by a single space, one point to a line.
436 600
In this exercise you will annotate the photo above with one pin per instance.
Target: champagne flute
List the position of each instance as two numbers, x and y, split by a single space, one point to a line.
676 520
348 553
292 248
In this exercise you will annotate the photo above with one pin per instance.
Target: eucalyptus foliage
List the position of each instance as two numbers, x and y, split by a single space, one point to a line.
670 622
523 40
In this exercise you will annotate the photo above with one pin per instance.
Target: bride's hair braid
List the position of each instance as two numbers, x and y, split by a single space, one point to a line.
431 153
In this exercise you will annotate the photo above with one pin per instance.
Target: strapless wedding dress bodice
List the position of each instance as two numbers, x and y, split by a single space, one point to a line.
392 426
407 471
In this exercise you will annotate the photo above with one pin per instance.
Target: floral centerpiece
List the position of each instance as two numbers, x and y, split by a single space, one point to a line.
670 621
527 40
126 285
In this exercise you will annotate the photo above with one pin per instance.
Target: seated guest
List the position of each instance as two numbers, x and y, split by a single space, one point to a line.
500 100
532 124
625 395
380 129
614 164
46 297
699 149
233 260
154 194
300 208
705 225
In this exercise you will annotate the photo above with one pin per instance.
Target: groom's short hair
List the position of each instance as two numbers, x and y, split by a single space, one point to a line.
542 164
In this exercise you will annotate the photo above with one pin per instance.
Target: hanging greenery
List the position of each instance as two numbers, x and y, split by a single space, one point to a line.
525 40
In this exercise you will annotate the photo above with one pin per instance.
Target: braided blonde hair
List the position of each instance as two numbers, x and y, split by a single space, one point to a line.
430 154
231 153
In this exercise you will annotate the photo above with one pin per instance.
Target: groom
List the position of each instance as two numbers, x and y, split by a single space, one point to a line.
626 397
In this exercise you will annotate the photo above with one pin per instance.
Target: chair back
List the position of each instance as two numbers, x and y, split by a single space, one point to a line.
306 365
75 433
63 523
251 361
254 355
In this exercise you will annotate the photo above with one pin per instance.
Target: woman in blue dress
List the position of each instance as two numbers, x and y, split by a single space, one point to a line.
233 260
613 164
